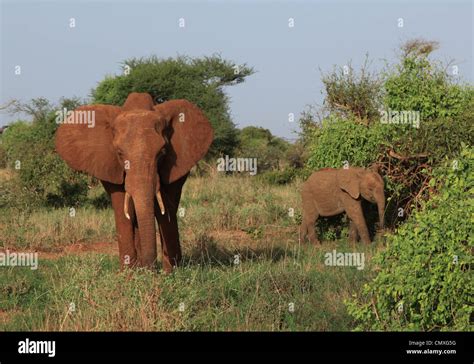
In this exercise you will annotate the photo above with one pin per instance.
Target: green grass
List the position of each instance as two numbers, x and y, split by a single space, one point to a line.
212 291
224 217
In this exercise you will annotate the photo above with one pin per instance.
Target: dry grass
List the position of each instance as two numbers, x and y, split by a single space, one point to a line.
53 229
242 269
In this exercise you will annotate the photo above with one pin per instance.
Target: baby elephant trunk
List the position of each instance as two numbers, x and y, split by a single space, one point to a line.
381 210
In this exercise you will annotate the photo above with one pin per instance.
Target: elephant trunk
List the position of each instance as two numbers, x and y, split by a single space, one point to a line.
145 214
139 205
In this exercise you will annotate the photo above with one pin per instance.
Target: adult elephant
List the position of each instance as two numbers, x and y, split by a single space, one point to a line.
329 192
139 151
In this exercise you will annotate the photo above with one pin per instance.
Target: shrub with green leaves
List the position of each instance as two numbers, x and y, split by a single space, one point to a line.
44 177
257 142
282 177
424 281
339 141
423 85
351 93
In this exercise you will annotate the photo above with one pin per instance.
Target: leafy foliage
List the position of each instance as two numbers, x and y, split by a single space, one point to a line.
42 174
199 80
257 142
279 162
423 85
296 155
424 282
339 141
411 154
277 177
350 93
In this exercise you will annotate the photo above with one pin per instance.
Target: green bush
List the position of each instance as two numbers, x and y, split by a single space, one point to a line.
43 176
421 150
282 177
423 85
257 142
296 155
338 141
424 280
353 94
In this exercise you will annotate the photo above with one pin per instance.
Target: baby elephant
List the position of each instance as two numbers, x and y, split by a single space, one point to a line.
329 192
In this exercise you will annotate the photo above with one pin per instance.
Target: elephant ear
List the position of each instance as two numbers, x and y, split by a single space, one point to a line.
88 147
349 180
190 135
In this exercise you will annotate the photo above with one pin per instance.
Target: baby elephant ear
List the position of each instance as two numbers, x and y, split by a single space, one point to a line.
87 146
190 135
349 180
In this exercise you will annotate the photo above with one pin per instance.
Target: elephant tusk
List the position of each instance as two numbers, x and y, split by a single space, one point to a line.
160 202
126 205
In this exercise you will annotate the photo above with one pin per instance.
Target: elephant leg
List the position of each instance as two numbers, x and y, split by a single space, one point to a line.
353 233
168 224
355 213
136 243
310 215
303 231
124 227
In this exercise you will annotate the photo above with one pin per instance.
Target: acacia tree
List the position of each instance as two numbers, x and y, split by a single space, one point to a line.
199 80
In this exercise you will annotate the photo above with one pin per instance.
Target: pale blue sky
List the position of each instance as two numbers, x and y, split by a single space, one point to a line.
59 61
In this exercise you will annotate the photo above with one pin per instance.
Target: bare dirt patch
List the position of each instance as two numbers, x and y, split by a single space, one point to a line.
82 248
6 316
234 236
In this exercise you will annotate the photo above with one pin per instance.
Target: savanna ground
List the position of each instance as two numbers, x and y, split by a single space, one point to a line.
243 268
